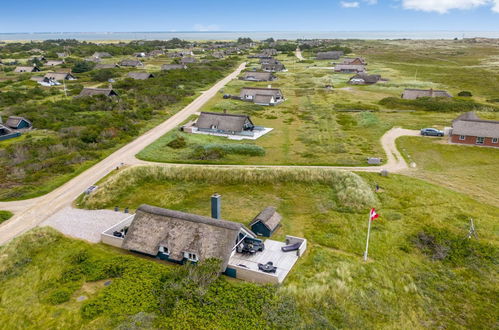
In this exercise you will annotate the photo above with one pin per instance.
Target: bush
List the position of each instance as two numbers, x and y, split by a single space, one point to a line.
59 296
83 66
5 215
465 94
440 104
177 143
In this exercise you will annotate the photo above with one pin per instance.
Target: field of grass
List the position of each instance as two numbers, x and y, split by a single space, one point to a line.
467 169
423 272
312 128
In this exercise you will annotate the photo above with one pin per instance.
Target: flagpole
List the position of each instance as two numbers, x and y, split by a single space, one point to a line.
368 232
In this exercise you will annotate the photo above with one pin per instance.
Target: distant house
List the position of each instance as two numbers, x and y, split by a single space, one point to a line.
276 67
58 76
258 76
101 55
182 237
187 60
364 79
269 61
218 55
62 55
167 67
354 61
131 63
413 94
224 123
140 75
266 222
53 62
140 54
27 69
93 59
332 55
17 123
468 128
156 52
349 68
261 96
97 91
107 66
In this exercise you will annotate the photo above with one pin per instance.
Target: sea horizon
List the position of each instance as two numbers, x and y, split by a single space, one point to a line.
256 35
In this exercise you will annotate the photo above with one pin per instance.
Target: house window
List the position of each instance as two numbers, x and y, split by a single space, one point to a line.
191 256
163 249
462 137
480 140
495 140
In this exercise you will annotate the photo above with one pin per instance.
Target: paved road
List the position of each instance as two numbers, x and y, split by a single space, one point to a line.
30 213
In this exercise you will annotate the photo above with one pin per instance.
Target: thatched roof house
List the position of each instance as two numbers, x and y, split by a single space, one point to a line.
167 67
261 96
269 61
107 66
179 236
412 94
468 128
275 67
364 79
14 122
132 63
266 222
27 69
188 59
349 68
140 75
224 123
332 55
258 76
54 62
101 54
355 61
59 76
97 91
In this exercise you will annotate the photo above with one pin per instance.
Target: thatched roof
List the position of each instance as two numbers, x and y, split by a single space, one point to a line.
253 91
268 217
412 94
26 69
181 232
355 60
101 54
140 75
188 59
106 66
54 62
275 67
224 121
258 76
14 121
349 67
97 91
133 63
368 78
469 124
59 76
332 55
173 66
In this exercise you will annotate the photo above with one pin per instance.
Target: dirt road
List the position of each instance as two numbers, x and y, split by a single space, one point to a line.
30 213
298 54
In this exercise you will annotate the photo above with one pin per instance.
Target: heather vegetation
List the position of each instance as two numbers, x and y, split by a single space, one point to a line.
73 133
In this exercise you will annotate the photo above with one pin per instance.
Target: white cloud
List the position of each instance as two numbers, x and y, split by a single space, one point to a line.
443 6
373 2
348 4
206 28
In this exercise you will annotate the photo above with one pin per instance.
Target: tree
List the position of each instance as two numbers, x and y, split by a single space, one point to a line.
83 66
241 40
465 94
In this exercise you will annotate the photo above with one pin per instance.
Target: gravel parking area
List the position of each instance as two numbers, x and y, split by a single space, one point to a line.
84 224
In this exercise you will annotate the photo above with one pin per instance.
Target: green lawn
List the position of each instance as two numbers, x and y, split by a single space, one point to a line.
466 169
423 272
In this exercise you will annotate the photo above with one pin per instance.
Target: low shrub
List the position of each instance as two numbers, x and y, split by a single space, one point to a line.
440 104
177 143
465 94
217 151
5 215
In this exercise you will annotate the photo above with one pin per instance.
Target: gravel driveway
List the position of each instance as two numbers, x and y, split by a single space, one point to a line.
84 224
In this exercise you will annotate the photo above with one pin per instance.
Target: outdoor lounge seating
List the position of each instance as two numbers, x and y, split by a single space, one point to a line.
268 267
291 247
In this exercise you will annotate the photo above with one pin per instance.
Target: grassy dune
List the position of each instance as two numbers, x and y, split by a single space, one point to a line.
5 215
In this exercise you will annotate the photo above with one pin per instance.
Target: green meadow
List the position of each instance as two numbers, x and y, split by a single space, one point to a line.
422 271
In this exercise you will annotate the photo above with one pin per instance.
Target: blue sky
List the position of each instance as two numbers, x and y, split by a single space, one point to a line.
256 15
